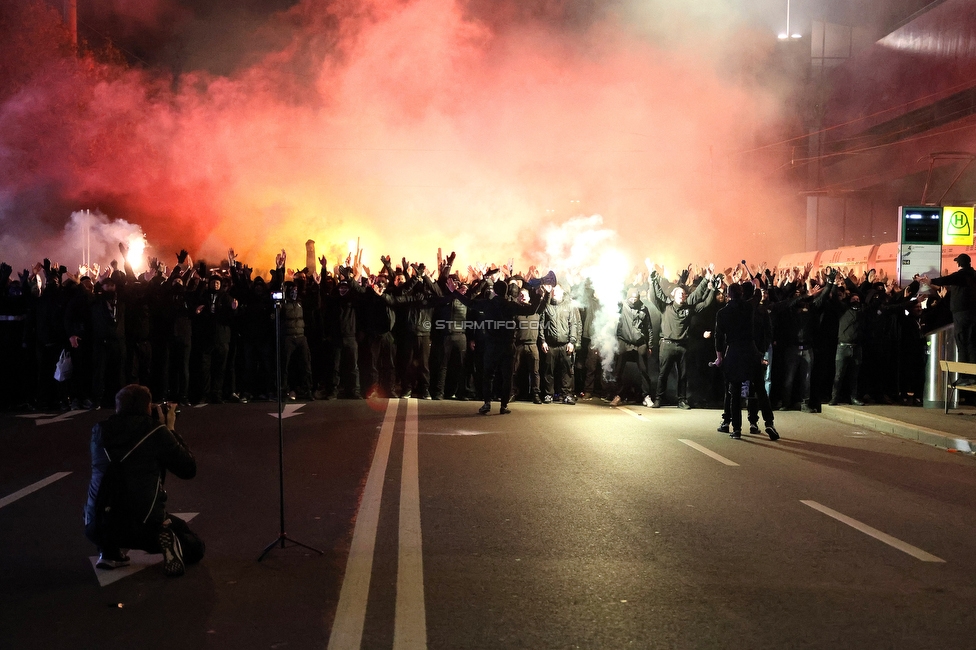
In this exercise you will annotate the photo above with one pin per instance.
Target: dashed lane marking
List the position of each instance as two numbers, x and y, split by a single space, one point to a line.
709 453
904 547
33 487
631 413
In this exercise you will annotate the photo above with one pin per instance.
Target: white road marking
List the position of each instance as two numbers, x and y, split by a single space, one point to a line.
459 432
288 411
60 418
347 628
709 453
631 413
202 404
34 487
138 560
410 626
875 533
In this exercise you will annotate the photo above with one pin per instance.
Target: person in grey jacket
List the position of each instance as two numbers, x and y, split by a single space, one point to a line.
145 448
561 328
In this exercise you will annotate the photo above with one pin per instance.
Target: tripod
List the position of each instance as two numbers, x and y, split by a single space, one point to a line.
282 535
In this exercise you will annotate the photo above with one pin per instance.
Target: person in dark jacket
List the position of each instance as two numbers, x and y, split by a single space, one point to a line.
561 327
801 315
528 342
77 326
852 330
962 302
633 343
738 341
108 338
294 347
145 448
499 310
677 310
214 314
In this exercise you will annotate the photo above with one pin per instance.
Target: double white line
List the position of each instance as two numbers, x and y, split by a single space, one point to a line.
410 627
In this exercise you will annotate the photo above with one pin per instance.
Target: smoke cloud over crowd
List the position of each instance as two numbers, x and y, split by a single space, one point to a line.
411 124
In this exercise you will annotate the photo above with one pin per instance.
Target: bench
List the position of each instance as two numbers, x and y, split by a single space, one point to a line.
957 367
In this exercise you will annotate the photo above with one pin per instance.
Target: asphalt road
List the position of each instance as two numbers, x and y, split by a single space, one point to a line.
553 527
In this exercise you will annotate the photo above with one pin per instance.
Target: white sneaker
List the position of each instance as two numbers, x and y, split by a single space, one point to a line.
648 401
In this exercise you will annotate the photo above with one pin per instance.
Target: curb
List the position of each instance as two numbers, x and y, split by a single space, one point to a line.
915 432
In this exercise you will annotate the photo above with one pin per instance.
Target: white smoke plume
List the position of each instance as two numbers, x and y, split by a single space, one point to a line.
92 238
586 257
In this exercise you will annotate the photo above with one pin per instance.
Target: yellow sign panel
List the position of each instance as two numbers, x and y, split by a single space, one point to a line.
957 226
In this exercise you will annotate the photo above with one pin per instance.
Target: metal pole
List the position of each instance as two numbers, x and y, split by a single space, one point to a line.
281 437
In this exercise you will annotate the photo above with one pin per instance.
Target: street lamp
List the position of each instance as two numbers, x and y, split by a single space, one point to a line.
788 34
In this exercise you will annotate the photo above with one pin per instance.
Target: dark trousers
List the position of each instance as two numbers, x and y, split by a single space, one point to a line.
625 353
259 369
558 362
500 360
593 376
139 365
798 364
454 349
213 362
175 368
296 361
414 352
964 332
847 365
107 368
381 363
527 355
81 371
673 356
145 537
757 401
345 365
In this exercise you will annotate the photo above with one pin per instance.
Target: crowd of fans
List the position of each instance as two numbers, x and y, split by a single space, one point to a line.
207 333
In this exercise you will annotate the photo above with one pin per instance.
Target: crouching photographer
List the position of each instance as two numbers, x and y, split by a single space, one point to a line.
131 453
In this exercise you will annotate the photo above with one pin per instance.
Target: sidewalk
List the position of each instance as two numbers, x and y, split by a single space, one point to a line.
957 430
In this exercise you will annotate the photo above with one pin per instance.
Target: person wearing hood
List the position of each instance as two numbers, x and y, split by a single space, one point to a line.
739 339
852 331
633 344
500 311
561 327
140 448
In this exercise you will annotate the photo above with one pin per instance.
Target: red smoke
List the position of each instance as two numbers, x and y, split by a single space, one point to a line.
410 124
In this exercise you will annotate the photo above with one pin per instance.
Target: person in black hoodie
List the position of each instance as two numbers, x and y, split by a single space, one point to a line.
962 302
633 343
108 337
499 309
144 448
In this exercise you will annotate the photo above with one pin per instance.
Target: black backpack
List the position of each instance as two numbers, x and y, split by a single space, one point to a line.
112 516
